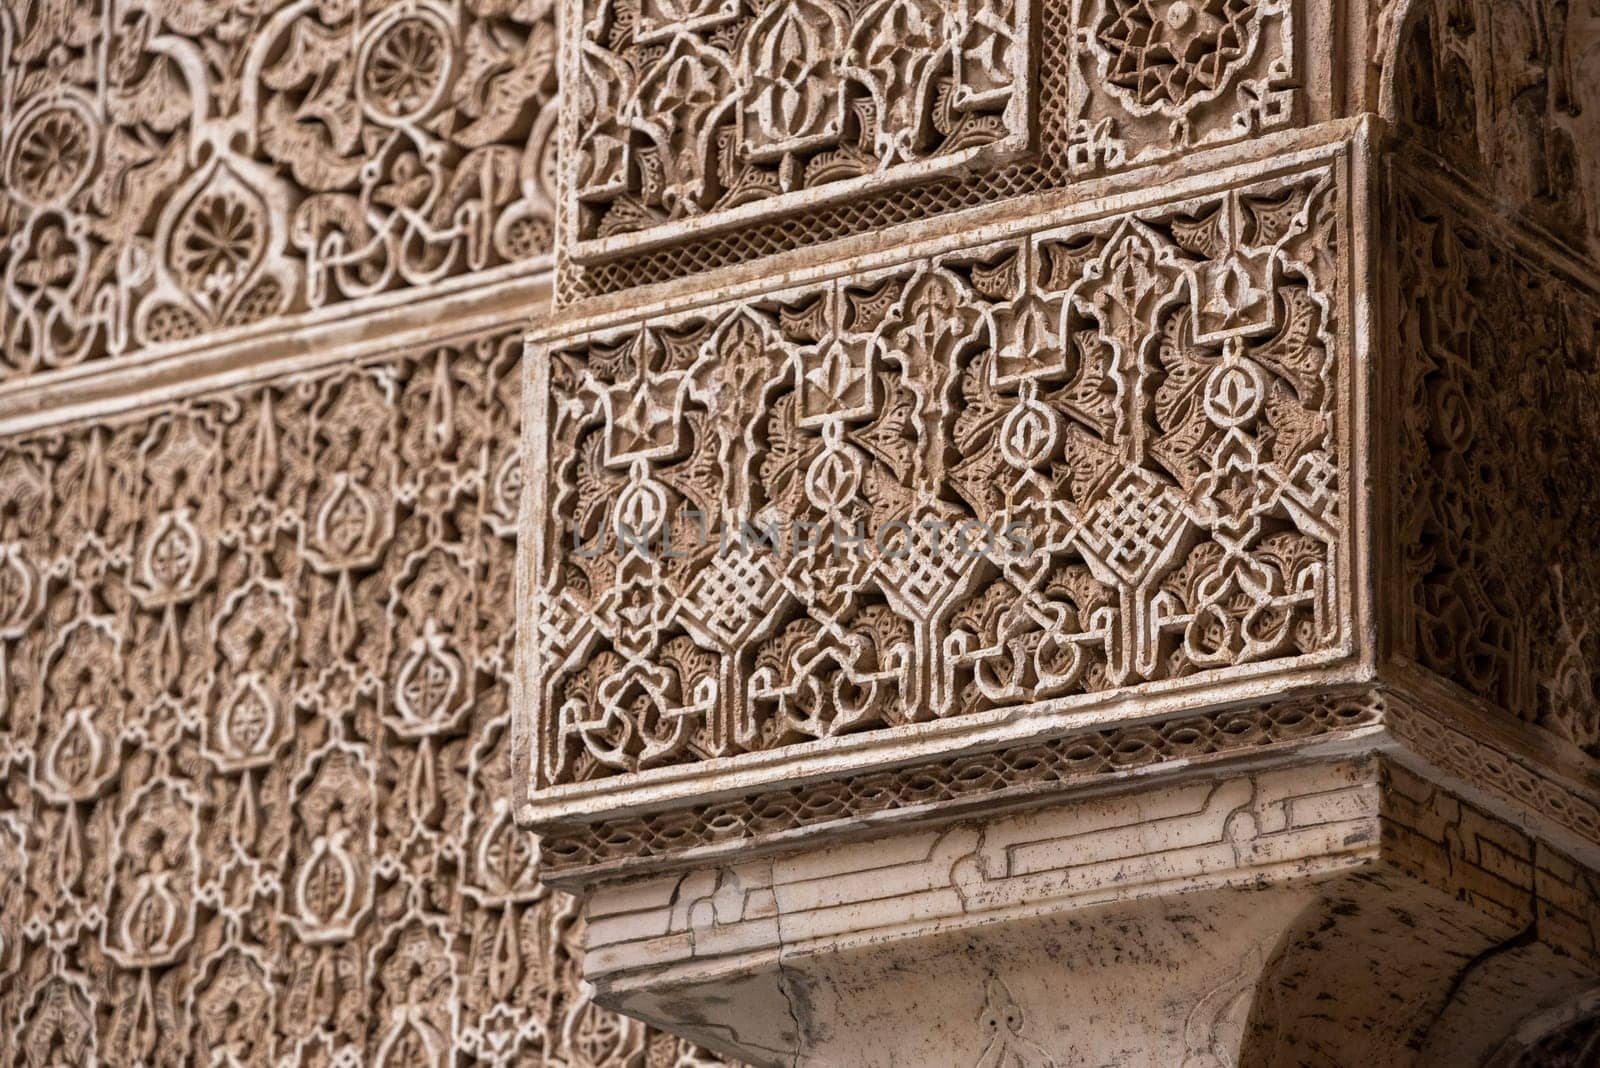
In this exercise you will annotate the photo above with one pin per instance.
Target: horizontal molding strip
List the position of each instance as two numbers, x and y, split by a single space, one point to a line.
345 333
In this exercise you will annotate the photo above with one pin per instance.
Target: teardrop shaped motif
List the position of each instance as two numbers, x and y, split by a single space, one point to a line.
219 241
441 405
505 956
69 861
172 555
264 447
342 617
246 724
423 799
92 498
150 920
169 650
833 477
641 511
508 856
325 892
146 1028
75 761
346 529
428 684
246 815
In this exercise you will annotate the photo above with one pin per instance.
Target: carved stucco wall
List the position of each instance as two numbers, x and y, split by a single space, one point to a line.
254 641
255 747
255 734
1170 398
174 168
1307 402
1156 399
1495 346
705 132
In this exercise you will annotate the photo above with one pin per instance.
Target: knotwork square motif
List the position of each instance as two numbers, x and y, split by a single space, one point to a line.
1043 471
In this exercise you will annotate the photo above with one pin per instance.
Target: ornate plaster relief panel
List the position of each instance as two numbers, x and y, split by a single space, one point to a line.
1495 205
703 133
1275 446
1497 340
255 771
714 108
177 169
1157 398
265 269
895 391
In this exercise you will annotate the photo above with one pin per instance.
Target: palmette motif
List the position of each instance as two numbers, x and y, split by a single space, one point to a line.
684 109
173 168
255 741
1152 402
704 135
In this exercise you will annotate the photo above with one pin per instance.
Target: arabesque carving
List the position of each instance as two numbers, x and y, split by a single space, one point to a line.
1150 74
1128 433
689 108
1497 328
1137 471
1496 441
703 134
174 169
254 737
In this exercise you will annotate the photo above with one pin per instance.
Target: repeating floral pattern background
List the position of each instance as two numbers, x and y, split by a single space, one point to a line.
177 168
254 781
254 646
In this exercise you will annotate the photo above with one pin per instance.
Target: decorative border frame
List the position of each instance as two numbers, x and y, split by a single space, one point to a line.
1078 761
1495 773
